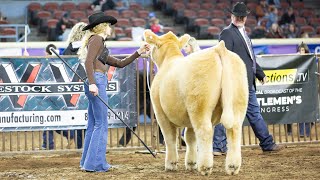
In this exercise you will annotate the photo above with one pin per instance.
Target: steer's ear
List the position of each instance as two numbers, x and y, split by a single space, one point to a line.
183 40
150 37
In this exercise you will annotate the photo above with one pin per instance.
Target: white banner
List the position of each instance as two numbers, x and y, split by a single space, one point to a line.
19 119
43 118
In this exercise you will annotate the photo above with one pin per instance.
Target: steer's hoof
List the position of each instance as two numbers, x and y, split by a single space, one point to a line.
205 170
171 166
190 166
232 169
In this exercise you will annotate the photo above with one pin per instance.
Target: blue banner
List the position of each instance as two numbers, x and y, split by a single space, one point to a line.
43 93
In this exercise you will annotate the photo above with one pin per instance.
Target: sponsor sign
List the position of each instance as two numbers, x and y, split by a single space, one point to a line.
42 93
291 92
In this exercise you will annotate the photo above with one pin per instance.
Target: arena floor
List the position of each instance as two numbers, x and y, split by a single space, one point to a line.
295 162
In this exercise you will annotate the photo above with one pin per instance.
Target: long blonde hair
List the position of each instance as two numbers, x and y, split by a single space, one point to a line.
76 33
194 45
83 51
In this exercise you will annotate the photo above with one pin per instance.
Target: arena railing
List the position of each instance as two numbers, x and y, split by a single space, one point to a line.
18 29
30 141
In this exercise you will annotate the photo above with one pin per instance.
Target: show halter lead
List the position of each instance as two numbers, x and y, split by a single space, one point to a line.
105 103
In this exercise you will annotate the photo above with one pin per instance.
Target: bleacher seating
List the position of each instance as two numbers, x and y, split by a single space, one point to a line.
68 6
46 16
204 17
215 12
307 29
50 6
82 6
78 15
113 13
213 32
33 8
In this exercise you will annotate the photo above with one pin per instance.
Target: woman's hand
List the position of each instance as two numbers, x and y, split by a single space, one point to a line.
144 48
94 89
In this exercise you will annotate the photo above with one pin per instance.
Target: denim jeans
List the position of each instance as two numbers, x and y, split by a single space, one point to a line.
256 121
79 137
95 142
50 138
219 139
305 127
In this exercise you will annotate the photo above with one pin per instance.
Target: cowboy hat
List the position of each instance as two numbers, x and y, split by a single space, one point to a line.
239 9
97 18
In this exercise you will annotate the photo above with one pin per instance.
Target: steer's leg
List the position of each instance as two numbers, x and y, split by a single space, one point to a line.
202 126
233 159
191 154
170 136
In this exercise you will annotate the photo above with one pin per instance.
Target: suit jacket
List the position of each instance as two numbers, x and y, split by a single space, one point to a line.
237 44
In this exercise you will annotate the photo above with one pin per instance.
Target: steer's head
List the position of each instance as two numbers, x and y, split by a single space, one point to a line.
165 46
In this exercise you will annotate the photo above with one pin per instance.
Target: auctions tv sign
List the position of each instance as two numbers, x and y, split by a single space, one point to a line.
291 92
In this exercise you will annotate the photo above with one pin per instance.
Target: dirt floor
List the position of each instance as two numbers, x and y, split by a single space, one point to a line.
294 162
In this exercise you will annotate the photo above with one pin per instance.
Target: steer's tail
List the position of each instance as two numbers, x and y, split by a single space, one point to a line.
227 117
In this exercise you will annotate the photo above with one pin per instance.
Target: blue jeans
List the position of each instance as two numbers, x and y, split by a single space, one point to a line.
95 142
79 138
305 127
51 142
219 139
256 121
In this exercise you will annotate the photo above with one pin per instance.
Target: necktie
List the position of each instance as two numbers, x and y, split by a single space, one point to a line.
250 50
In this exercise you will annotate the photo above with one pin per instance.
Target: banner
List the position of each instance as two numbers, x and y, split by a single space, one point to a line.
43 93
291 92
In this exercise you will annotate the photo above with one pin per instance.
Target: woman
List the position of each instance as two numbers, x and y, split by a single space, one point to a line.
303 48
191 46
275 31
292 31
74 43
304 128
97 60
74 39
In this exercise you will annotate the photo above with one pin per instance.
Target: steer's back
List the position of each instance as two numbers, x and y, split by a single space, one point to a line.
188 84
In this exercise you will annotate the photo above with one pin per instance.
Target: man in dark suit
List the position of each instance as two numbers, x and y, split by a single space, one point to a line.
237 41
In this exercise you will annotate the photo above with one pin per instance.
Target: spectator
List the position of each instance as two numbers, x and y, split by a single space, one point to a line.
192 46
74 42
67 31
155 26
50 133
288 17
292 31
259 32
108 5
304 128
122 5
97 5
151 16
74 39
262 9
62 26
275 3
272 17
275 31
